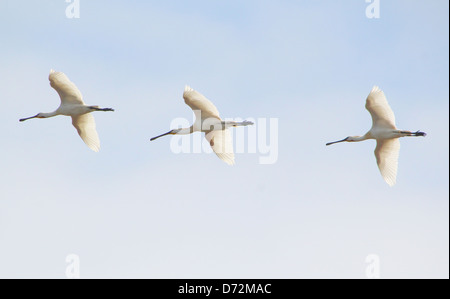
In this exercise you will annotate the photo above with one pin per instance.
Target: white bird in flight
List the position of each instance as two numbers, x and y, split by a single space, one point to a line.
72 105
385 133
207 120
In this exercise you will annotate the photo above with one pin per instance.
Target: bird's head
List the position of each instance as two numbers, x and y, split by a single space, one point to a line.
174 131
352 138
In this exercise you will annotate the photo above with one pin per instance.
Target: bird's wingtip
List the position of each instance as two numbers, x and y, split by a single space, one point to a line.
390 181
231 163
187 88
52 71
376 88
229 160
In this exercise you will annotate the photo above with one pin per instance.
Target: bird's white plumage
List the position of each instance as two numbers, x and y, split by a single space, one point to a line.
71 95
85 125
383 119
72 105
207 120
387 153
381 112
205 113
385 133
222 145
199 102
67 90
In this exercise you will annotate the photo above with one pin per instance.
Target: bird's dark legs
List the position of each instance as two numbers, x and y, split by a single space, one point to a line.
237 124
414 134
95 108
418 133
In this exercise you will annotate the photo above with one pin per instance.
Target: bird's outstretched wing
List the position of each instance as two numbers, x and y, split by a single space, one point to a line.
377 105
222 145
387 152
66 89
199 102
85 125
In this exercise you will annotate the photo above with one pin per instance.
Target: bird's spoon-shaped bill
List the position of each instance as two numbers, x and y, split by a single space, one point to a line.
330 143
168 133
24 119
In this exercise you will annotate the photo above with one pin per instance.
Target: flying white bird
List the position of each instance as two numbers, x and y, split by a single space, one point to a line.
385 133
207 120
72 105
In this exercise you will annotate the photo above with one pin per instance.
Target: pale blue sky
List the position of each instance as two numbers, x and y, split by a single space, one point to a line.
137 210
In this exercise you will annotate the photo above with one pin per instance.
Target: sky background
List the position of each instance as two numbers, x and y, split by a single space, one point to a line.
137 210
